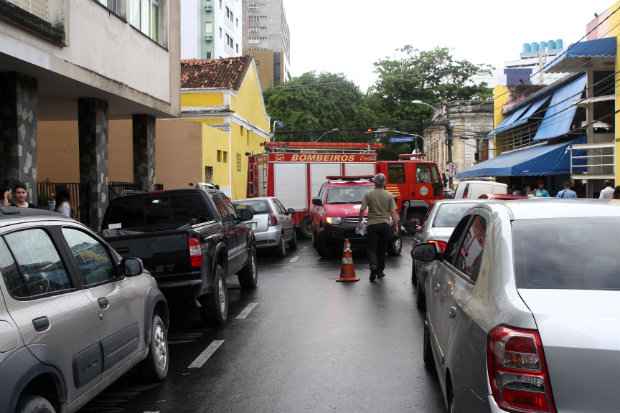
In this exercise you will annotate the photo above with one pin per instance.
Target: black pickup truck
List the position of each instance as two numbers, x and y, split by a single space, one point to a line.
191 241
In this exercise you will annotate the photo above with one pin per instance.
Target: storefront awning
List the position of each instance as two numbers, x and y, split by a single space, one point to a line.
599 54
561 112
540 160
510 121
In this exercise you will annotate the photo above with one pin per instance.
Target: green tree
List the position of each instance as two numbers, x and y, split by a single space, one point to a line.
432 76
319 102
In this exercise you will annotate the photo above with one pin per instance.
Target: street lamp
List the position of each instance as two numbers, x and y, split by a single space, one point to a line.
327 133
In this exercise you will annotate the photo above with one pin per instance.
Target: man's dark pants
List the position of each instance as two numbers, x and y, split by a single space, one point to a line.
378 237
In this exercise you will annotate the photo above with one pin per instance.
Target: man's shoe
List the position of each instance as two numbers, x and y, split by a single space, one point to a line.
381 275
373 276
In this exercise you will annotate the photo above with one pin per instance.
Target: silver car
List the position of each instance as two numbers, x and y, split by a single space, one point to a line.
74 316
522 308
440 223
272 223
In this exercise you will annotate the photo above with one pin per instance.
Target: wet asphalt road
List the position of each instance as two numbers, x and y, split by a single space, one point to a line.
302 343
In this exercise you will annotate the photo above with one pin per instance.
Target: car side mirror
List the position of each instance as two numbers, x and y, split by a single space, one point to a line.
245 214
132 267
290 211
426 253
317 202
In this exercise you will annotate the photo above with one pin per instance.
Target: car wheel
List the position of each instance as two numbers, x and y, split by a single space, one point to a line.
215 305
429 361
155 366
324 250
315 241
414 279
248 276
282 248
396 247
420 300
35 404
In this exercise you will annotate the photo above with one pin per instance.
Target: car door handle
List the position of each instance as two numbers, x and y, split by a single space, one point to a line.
452 312
437 287
41 323
104 304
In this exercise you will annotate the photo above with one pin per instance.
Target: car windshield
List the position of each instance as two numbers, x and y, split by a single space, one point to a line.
568 254
449 215
258 206
347 194
156 212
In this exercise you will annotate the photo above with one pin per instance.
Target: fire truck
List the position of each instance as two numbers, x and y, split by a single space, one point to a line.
295 171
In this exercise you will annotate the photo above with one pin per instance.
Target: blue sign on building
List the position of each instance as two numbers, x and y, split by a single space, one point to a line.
401 139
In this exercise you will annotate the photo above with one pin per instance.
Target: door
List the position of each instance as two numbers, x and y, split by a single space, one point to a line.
286 219
229 224
426 181
440 278
56 320
119 311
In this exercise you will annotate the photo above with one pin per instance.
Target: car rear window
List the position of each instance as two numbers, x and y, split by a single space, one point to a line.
567 254
156 211
258 206
449 215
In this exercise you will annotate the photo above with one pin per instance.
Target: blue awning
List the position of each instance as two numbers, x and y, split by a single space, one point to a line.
533 110
510 120
541 160
561 112
599 54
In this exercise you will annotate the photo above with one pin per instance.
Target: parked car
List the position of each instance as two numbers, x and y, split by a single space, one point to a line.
474 189
74 315
336 214
272 224
502 197
520 305
437 229
192 241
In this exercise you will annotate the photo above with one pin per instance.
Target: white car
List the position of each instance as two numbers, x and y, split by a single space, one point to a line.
475 189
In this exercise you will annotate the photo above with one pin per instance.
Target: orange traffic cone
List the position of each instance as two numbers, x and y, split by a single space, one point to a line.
347 269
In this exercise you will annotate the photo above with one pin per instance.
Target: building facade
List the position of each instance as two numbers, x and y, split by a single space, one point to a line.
50 72
211 29
455 137
224 121
267 38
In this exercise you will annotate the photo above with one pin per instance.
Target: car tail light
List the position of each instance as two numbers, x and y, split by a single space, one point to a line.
195 252
273 220
441 245
517 370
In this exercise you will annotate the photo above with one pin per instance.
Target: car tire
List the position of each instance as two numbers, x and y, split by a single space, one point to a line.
427 352
395 248
215 305
414 278
155 367
248 276
34 404
324 250
420 299
282 248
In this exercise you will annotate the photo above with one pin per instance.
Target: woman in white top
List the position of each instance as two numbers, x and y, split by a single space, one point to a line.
63 205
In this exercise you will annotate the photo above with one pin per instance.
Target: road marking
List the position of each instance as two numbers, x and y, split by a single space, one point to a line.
246 311
294 259
206 354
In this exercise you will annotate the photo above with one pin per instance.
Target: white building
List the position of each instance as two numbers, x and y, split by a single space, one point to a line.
211 29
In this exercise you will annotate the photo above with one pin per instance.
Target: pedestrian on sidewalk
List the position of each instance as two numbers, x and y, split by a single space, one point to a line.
608 191
541 191
63 204
20 196
383 221
567 192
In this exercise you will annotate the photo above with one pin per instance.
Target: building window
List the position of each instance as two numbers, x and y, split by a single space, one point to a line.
241 129
208 55
219 156
146 16
221 32
209 174
237 47
239 166
115 6
237 22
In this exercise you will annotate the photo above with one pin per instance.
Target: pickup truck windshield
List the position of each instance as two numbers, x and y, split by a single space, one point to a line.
347 194
156 212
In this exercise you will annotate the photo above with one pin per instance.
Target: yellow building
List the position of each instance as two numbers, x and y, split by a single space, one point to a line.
225 99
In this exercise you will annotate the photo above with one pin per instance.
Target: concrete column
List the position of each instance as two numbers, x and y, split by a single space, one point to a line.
144 151
93 138
18 130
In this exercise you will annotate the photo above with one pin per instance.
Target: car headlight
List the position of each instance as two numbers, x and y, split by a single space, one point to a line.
334 220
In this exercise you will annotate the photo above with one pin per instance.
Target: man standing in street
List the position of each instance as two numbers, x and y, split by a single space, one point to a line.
382 220
567 192
608 191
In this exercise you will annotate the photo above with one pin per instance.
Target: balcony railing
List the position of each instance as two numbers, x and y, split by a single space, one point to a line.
593 161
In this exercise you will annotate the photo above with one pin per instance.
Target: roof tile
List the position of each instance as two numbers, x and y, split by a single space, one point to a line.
216 73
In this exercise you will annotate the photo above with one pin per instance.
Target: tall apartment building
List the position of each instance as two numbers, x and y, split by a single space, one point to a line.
211 29
266 37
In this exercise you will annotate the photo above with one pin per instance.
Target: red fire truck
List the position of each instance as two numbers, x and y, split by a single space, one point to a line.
295 171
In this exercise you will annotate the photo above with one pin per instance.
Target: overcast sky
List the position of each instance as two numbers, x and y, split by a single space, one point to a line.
347 36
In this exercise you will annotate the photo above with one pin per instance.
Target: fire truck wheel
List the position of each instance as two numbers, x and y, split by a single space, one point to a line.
305 228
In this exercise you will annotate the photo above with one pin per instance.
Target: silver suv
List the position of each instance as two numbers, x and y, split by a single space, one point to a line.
74 316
